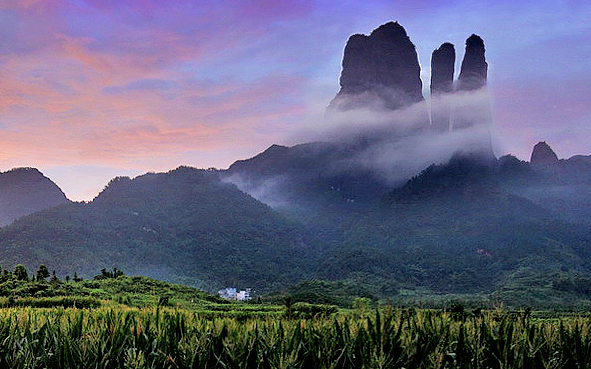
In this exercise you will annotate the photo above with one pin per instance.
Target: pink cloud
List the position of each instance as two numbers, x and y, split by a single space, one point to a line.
78 49
37 6
88 125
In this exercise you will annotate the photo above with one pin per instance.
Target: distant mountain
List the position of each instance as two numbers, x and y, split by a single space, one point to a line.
469 226
185 226
562 185
24 191
472 225
311 175
542 154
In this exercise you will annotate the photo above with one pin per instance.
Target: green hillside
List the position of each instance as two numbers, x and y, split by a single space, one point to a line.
455 229
185 226
465 229
116 290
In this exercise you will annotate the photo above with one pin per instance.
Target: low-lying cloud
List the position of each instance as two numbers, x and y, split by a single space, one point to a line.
391 145
402 142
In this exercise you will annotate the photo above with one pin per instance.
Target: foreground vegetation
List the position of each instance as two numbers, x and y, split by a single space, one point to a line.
119 291
176 338
118 321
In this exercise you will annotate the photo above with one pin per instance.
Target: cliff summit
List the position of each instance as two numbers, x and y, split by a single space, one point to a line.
379 71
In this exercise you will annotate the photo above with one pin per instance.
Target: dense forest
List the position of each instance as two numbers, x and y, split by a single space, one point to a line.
185 225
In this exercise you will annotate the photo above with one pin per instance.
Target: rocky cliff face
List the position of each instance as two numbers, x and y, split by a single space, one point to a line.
543 154
473 109
380 71
24 191
474 67
443 62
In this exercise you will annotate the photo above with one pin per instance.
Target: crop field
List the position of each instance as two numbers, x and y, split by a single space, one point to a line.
123 337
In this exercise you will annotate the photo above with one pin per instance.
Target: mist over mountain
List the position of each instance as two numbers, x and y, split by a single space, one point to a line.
380 70
24 191
380 133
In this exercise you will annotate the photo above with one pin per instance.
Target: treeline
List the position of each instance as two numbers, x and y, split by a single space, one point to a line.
42 274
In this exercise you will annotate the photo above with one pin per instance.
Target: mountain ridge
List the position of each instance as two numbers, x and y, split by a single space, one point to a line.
461 227
159 225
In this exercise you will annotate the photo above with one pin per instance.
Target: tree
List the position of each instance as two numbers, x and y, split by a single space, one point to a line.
105 274
362 306
42 273
20 272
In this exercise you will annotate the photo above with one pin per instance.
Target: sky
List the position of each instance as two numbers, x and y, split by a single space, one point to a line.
93 89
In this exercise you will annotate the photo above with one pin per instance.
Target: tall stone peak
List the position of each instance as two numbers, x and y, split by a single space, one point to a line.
443 62
474 68
543 154
380 71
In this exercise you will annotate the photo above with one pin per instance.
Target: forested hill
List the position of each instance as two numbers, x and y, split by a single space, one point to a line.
507 229
496 228
185 226
24 191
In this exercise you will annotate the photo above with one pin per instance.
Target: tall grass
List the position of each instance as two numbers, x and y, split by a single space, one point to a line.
167 338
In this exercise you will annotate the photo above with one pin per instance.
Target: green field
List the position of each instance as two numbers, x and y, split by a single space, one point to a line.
123 337
118 321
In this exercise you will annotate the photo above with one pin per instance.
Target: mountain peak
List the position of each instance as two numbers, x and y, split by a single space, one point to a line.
388 30
474 69
543 154
22 173
379 71
442 68
24 191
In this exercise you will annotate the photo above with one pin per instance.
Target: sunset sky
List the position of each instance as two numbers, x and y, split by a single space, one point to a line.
92 89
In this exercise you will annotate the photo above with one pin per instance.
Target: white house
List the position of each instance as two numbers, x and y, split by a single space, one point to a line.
230 293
